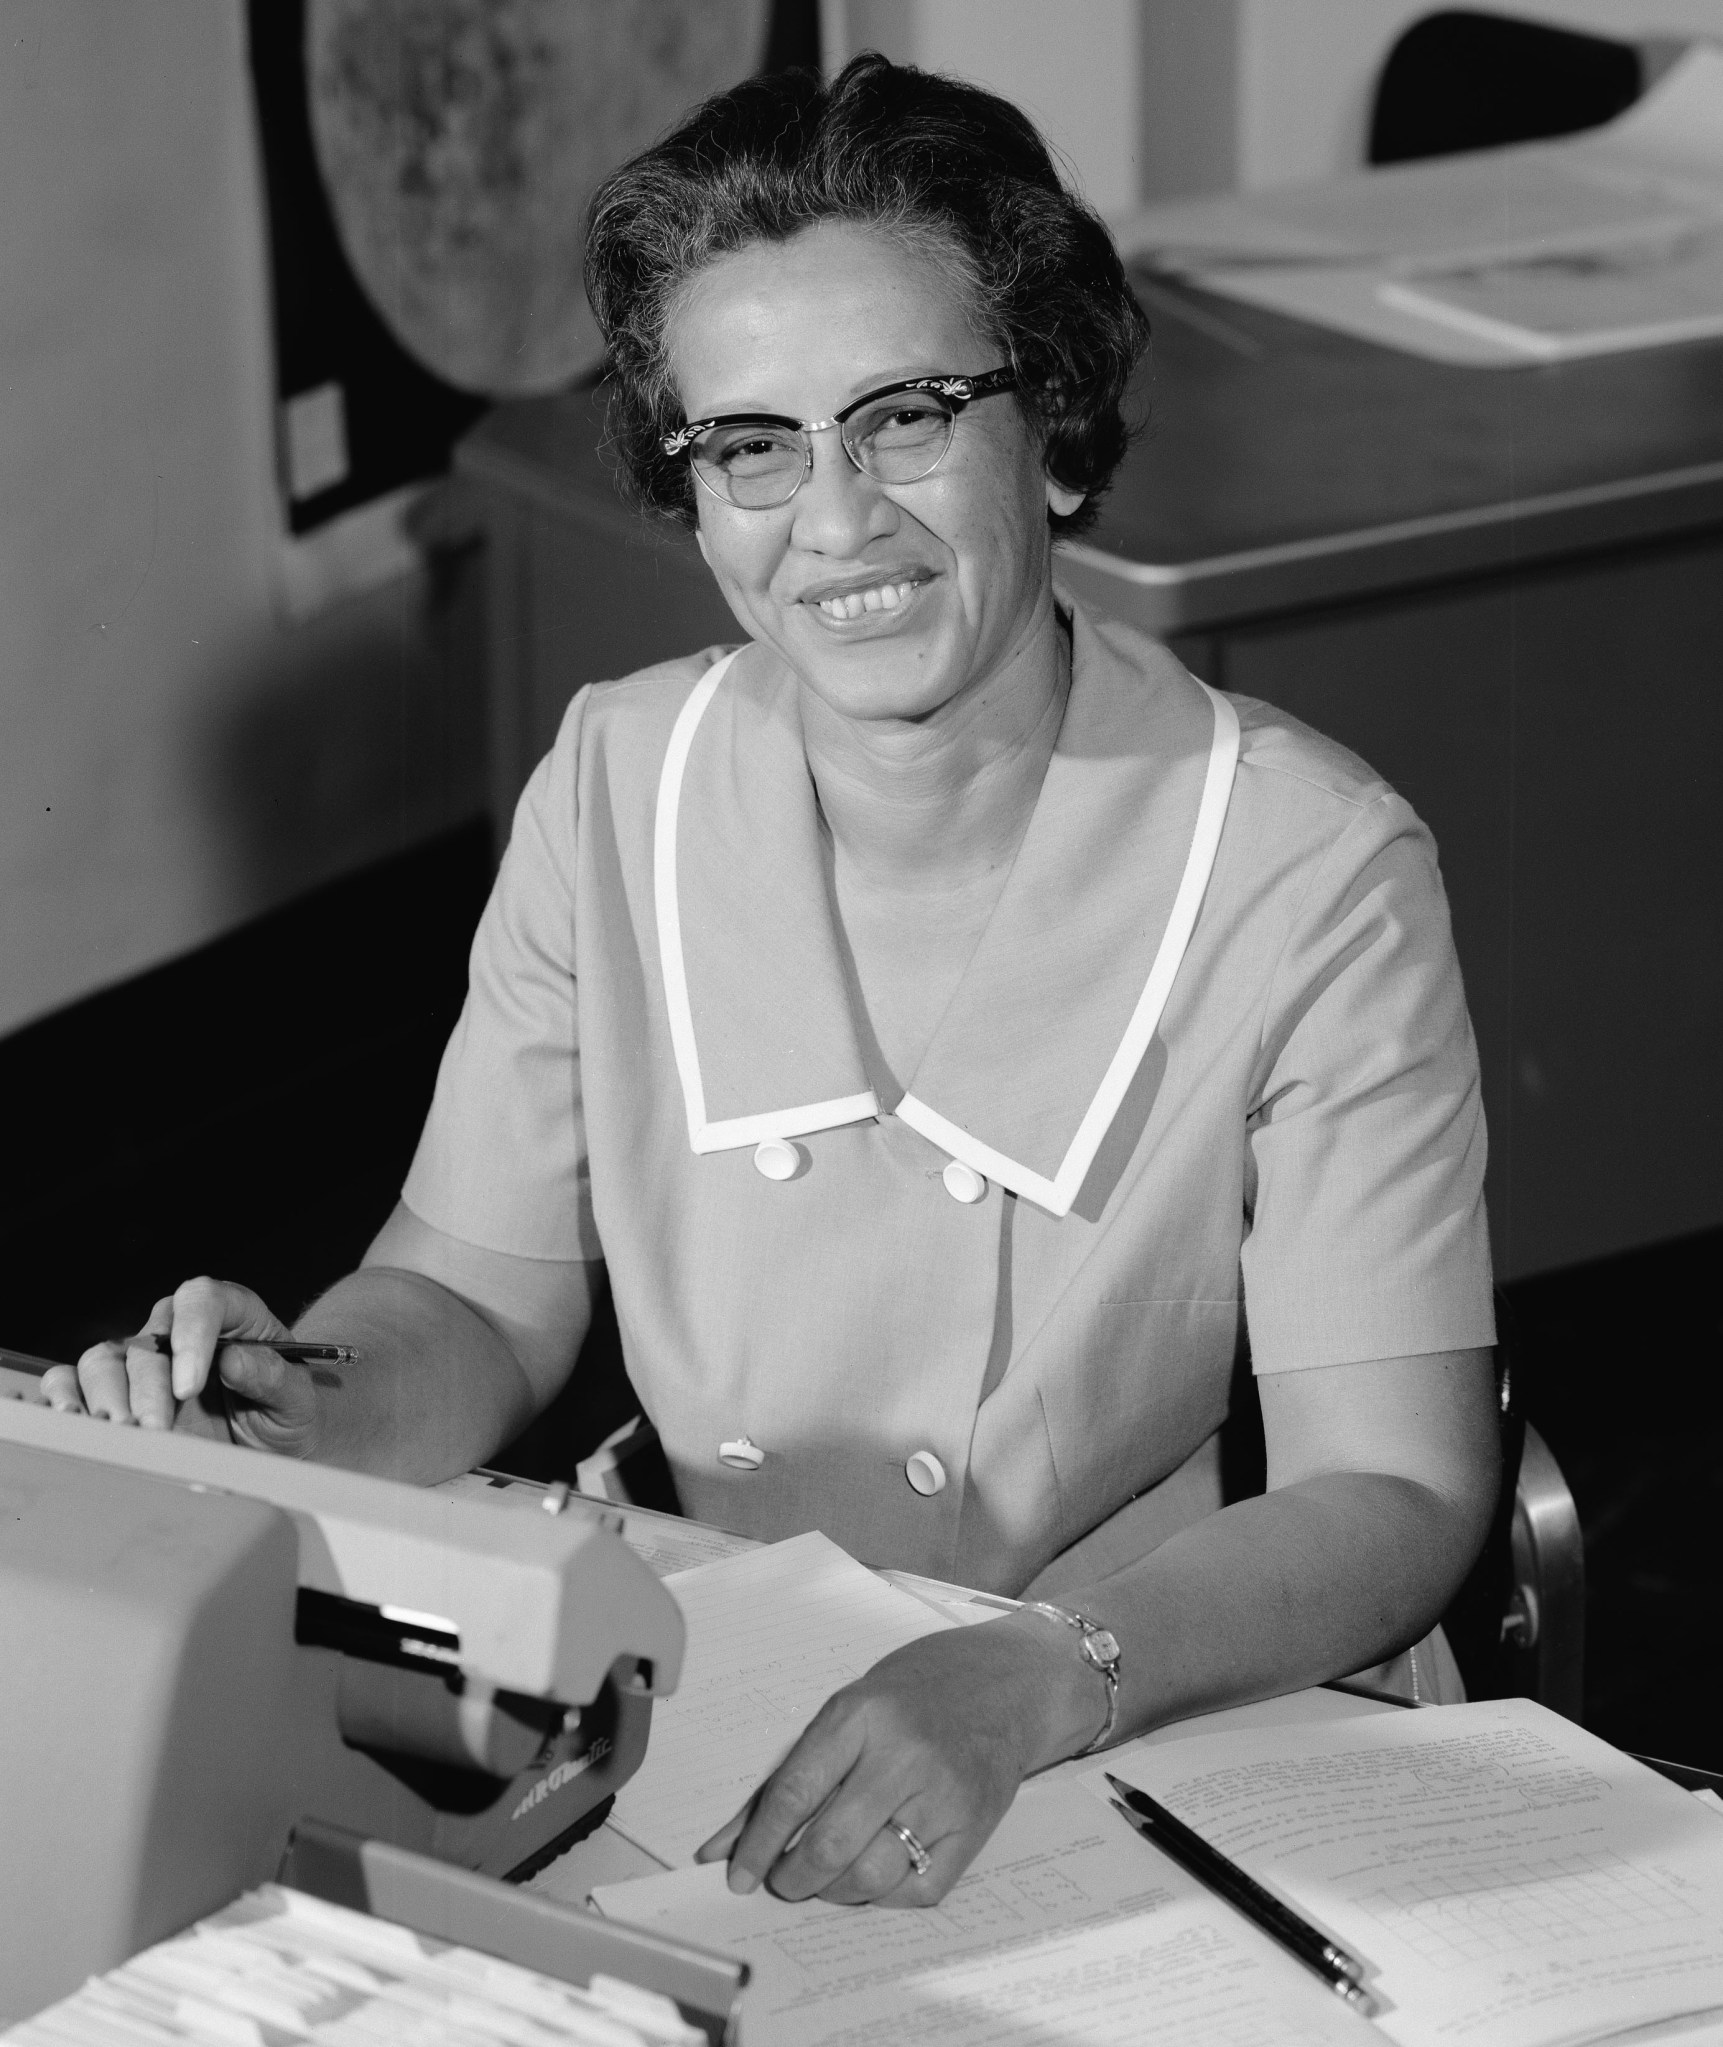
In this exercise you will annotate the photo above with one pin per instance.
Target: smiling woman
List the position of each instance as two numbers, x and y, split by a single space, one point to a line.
891 597
945 1022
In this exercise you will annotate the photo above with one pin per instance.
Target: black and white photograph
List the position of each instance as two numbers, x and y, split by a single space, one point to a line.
861 1023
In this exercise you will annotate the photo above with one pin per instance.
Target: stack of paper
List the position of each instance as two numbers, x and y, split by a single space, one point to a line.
772 1634
278 1968
1507 1880
1065 1929
1604 241
1511 1879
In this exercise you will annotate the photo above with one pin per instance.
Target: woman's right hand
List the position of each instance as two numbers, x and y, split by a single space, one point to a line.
214 1382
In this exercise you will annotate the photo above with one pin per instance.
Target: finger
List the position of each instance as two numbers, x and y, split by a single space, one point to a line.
842 1847
103 1382
791 1796
720 1844
204 1312
882 1866
149 1374
60 1389
850 1853
264 1401
206 1416
149 1383
254 1375
946 1862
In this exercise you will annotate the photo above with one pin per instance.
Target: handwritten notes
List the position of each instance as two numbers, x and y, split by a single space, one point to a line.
1510 1879
772 1633
1067 1928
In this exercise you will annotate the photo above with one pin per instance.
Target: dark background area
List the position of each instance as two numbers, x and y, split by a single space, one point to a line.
249 1111
401 419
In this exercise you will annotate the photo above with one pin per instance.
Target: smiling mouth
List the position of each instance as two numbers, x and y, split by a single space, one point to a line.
878 597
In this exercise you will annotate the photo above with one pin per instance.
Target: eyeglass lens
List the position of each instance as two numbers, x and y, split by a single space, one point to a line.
897 439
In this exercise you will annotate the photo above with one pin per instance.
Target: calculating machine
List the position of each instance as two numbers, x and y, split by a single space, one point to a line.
202 1646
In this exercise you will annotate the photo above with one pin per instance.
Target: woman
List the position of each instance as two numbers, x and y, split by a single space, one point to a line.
928 1015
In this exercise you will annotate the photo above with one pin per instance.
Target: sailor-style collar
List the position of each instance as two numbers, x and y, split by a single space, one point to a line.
1033 1055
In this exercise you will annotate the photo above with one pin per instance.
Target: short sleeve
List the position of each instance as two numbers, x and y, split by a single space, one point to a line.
502 1159
1364 1177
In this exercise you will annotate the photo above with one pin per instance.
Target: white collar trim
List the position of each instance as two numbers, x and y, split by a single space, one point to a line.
1055 1195
705 1136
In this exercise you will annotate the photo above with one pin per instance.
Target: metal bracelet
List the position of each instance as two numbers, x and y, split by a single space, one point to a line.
1100 1651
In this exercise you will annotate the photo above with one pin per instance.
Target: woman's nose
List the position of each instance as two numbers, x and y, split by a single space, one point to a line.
838 508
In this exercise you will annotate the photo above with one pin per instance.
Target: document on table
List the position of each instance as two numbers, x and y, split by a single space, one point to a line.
1544 250
1559 307
1508 1879
1067 1929
666 1544
772 1633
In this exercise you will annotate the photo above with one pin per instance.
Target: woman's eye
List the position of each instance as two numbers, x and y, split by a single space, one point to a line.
906 422
749 451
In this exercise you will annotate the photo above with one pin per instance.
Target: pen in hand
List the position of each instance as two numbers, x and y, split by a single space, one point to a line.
1343 1973
287 1347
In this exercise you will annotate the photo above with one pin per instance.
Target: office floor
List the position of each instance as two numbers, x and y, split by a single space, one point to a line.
250 1111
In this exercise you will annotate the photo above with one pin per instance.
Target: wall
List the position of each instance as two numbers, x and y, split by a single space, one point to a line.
176 755
1078 79
1137 96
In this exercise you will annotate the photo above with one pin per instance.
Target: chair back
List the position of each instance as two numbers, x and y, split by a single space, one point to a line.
1462 79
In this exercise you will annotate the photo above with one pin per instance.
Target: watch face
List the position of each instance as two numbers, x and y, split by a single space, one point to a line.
1101 1647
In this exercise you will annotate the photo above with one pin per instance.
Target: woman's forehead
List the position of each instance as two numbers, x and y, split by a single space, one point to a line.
813 321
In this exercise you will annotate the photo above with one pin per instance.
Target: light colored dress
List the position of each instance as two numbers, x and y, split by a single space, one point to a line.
987 1332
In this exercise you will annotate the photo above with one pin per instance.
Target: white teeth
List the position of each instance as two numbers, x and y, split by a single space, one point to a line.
882 597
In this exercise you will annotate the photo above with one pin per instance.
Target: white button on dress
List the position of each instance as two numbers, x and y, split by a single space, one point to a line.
777 1158
741 1455
962 1183
925 1472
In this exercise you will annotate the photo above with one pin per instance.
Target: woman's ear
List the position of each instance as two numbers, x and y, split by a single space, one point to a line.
1062 500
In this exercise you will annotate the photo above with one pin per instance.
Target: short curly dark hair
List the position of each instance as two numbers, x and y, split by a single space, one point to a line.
935 162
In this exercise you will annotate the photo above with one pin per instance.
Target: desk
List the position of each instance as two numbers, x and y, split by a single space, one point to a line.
607 1857
1503 587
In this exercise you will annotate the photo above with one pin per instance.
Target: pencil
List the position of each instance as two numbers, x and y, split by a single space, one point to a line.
1343 1973
287 1347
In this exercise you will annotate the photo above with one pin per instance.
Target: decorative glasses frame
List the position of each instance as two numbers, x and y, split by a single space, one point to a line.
957 391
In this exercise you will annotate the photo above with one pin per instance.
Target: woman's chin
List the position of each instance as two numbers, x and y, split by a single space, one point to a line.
895 685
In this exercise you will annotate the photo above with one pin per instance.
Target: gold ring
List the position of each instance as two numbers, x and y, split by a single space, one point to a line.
919 1859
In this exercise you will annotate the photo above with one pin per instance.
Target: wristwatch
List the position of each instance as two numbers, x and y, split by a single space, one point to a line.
1100 1650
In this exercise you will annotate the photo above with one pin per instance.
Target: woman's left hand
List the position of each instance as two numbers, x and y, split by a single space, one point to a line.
937 1737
